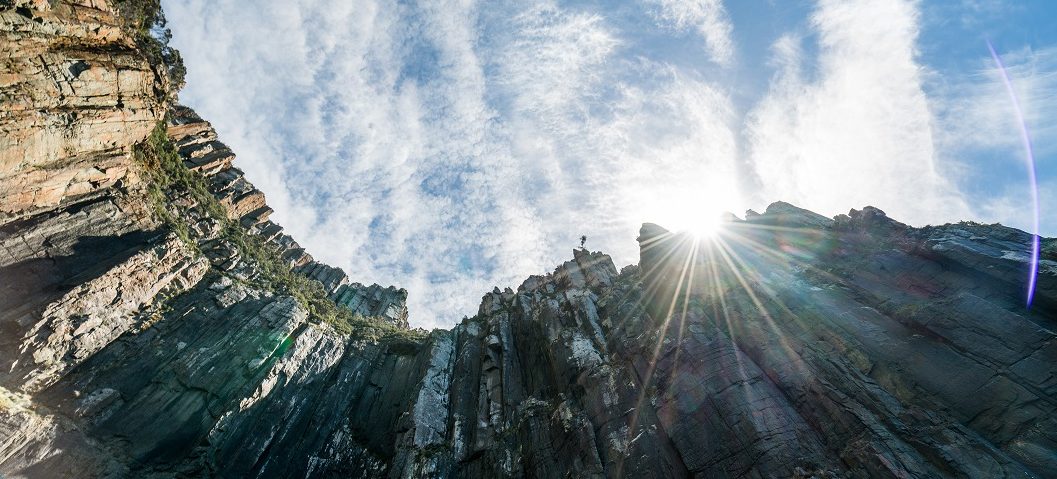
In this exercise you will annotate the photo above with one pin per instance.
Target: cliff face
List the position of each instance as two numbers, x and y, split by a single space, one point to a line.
76 95
155 322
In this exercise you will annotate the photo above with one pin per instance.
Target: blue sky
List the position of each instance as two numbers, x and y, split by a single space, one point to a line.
451 146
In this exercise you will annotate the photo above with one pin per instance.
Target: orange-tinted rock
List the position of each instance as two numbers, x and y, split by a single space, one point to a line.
76 96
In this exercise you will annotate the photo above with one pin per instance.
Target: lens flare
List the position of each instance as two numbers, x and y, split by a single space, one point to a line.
1032 181
704 226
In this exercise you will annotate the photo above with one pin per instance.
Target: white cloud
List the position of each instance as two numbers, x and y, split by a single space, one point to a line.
708 17
552 58
1012 206
608 141
858 129
975 115
449 148
975 110
454 146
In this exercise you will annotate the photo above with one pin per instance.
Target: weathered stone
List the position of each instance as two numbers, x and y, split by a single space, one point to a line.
374 300
784 214
96 312
76 95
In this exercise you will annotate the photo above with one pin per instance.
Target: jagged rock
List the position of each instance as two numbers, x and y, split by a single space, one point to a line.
96 312
330 277
374 300
870 219
594 373
784 214
46 445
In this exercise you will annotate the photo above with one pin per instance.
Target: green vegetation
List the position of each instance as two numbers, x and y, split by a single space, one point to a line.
167 178
146 22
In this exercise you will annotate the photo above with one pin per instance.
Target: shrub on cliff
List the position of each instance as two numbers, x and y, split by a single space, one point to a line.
167 177
145 20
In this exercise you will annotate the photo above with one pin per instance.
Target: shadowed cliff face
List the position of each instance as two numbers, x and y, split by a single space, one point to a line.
885 348
174 335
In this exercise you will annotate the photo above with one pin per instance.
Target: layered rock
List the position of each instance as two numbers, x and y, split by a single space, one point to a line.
97 311
76 94
872 342
389 302
91 281
198 145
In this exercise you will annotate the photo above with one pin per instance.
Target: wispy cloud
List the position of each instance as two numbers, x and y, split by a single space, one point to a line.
452 146
975 116
448 148
857 130
974 110
708 17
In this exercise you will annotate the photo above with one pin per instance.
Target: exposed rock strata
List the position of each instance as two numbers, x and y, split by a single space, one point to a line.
198 145
793 345
822 359
76 95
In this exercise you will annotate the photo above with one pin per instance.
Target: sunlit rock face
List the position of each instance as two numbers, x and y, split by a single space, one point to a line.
75 94
788 345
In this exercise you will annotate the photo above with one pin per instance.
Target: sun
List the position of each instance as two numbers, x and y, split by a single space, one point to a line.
689 218
695 208
705 226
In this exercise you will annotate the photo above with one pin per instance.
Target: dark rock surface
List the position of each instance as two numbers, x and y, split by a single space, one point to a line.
790 345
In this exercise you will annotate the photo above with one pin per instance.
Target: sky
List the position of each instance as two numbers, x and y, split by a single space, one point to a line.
451 146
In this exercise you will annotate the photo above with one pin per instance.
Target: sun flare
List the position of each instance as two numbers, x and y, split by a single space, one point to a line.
705 226
698 212
698 222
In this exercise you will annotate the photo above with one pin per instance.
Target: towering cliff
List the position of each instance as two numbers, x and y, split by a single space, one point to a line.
156 323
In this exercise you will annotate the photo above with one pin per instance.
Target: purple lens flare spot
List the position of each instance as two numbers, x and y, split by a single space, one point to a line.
1033 182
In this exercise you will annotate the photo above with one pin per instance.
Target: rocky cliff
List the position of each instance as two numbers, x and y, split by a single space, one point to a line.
156 323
